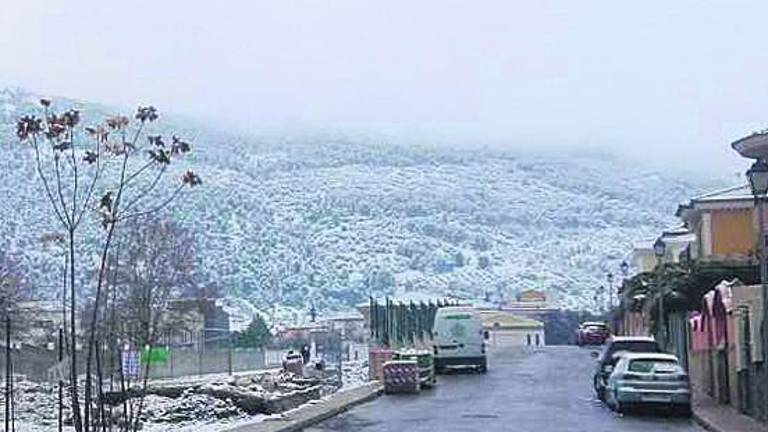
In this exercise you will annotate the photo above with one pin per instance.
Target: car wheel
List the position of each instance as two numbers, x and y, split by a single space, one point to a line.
617 406
684 410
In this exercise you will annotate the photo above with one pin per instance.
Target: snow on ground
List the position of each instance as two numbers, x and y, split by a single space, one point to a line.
37 403
354 373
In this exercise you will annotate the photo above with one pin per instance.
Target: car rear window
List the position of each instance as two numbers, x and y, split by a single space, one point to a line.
635 347
653 366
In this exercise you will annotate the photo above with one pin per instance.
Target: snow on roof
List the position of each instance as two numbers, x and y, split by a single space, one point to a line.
732 193
736 194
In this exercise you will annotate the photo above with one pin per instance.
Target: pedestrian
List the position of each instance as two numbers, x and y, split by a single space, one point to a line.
305 353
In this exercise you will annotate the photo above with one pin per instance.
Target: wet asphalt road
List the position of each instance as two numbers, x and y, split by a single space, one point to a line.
542 390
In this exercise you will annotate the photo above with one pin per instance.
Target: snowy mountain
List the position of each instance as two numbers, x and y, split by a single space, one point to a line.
331 219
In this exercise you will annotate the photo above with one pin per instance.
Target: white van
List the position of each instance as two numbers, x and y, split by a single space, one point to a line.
458 339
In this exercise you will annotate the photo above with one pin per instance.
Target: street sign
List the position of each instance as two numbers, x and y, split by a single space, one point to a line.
156 355
131 364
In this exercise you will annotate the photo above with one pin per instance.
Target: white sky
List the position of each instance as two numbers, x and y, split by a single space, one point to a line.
659 80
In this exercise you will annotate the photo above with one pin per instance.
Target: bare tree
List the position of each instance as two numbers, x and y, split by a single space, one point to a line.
14 286
122 161
155 264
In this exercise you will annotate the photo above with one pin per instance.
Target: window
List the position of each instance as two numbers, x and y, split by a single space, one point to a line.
652 365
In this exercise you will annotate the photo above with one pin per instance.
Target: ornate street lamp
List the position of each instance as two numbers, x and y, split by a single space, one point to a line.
659 249
758 181
609 279
624 266
758 178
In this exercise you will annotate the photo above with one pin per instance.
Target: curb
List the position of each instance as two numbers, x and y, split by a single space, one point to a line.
303 416
704 423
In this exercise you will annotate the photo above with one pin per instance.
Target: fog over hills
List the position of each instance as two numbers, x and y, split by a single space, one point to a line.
333 218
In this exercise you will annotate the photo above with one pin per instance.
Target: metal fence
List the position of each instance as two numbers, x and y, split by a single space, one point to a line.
33 363
186 362
399 323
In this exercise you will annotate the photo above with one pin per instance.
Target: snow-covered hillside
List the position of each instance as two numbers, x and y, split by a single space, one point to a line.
331 219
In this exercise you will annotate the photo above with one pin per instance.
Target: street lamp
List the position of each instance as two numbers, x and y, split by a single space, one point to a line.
758 181
599 295
660 250
758 178
609 279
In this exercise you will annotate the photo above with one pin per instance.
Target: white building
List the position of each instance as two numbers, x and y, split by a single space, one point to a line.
677 240
505 329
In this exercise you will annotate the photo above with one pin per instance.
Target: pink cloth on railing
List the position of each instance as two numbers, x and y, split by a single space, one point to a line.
698 335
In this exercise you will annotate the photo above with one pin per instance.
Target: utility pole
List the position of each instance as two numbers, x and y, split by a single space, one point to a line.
660 250
609 278
7 370
229 353
61 383
759 202
600 295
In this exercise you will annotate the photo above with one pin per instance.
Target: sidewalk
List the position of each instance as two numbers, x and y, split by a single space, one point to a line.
313 413
721 418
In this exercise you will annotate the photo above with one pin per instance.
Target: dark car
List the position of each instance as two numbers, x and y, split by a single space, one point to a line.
606 360
592 333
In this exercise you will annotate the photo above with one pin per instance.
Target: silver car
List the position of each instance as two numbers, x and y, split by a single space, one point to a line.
652 379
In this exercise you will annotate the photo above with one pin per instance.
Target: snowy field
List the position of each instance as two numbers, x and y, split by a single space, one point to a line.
37 403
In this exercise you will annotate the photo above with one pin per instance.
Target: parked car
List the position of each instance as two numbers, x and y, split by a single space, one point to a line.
606 360
458 334
641 379
592 333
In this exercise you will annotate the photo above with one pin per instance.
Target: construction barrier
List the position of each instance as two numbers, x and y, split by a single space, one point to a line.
376 359
425 362
401 376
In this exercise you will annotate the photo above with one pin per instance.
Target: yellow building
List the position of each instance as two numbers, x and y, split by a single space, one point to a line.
725 225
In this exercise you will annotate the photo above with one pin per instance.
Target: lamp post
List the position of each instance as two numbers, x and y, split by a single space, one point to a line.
624 266
660 250
599 295
609 279
758 181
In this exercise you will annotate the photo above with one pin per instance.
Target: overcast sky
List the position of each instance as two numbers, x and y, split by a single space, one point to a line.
659 80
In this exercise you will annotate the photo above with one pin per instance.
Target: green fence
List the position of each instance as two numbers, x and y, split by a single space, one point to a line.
396 323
